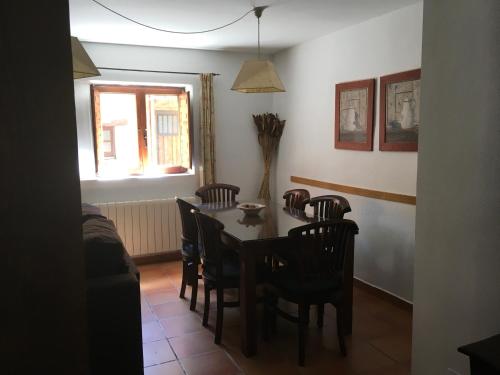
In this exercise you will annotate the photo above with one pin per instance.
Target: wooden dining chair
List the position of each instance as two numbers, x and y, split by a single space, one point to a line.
218 193
296 198
314 276
330 206
189 250
221 268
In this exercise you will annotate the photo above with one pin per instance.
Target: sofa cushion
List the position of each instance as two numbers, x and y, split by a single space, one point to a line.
104 250
89 211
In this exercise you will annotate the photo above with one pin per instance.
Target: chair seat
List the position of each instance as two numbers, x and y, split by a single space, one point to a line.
230 269
318 291
189 251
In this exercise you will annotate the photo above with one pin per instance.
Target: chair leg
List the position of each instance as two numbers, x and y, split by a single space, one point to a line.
184 279
307 307
321 313
194 285
220 315
267 307
206 307
272 313
340 331
303 312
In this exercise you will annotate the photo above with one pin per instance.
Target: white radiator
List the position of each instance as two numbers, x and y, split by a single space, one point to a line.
146 227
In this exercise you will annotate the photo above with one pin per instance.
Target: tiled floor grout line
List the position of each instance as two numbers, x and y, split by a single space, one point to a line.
387 328
369 341
157 319
161 363
384 353
176 357
234 362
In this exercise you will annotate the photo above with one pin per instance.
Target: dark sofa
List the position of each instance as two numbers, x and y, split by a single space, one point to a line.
113 298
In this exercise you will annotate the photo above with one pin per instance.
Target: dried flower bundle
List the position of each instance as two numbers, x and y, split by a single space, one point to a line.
269 128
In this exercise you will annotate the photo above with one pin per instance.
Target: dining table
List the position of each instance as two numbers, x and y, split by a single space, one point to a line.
257 236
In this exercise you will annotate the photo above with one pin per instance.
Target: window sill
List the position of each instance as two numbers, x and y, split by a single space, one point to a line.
139 177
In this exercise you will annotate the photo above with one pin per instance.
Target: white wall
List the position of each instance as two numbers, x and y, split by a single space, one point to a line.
237 151
457 264
383 45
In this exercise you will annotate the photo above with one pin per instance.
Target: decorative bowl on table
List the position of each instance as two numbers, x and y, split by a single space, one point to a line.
251 208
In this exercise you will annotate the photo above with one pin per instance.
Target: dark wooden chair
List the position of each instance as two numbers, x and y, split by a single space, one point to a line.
314 276
218 193
190 251
330 206
296 198
221 268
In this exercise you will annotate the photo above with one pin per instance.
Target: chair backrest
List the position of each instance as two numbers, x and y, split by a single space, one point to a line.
215 193
330 206
320 249
209 230
296 198
189 227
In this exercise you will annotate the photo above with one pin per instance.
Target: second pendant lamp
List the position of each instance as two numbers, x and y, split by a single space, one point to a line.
258 76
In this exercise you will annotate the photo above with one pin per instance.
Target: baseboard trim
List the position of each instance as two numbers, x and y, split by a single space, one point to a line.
169 256
385 295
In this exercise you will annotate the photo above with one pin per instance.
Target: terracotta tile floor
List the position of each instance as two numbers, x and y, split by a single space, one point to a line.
175 342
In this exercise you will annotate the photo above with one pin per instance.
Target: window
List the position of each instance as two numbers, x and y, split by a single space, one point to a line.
168 122
140 130
108 142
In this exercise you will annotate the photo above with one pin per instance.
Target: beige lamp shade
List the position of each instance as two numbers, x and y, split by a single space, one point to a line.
83 67
257 76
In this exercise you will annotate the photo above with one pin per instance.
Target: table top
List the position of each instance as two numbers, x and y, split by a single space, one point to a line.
273 221
486 351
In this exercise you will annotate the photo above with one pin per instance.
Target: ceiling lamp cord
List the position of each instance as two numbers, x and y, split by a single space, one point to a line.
258 12
258 38
255 76
174 31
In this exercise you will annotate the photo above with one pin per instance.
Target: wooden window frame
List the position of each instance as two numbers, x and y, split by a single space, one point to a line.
140 92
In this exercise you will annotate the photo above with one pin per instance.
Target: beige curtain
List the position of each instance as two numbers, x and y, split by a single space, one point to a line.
207 129
184 139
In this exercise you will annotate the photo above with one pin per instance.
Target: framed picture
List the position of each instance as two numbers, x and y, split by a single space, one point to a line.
399 111
354 115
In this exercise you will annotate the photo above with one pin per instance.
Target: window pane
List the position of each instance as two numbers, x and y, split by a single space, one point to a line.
106 135
106 146
168 143
167 122
119 153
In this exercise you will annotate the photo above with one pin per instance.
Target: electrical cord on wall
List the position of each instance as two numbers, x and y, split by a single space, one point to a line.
173 31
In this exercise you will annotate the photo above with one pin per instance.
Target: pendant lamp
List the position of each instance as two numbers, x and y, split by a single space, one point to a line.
258 76
83 67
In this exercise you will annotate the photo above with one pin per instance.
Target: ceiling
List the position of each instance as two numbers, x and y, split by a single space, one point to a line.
284 24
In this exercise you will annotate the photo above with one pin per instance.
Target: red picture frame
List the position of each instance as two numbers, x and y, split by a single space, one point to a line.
352 131
404 138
